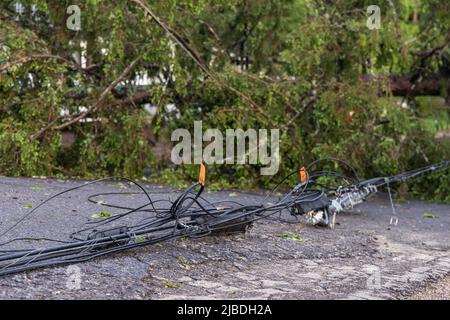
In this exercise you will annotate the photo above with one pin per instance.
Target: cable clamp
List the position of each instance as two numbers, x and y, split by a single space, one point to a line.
132 236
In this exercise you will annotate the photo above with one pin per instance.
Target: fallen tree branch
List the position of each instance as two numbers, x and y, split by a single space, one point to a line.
137 99
196 57
428 53
94 107
25 59
38 134
408 85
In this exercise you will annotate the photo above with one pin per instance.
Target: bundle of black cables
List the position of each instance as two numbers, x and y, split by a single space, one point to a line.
189 215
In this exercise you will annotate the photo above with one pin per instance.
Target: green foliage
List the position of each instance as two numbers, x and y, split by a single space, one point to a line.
306 62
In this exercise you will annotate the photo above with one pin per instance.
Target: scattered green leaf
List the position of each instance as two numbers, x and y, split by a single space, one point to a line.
171 285
182 262
100 215
120 185
140 239
430 215
291 236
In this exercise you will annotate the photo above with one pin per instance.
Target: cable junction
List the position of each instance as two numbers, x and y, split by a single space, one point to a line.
319 195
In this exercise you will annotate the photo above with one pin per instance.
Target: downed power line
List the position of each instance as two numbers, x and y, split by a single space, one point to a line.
318 197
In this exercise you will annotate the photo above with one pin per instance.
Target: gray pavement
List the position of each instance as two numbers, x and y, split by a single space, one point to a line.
362 258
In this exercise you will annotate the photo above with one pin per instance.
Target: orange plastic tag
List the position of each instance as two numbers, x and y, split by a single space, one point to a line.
303 175
202 176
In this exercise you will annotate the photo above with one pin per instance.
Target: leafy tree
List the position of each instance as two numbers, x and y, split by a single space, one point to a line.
70 103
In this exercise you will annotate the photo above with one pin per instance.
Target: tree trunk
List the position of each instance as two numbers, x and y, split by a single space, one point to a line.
409 85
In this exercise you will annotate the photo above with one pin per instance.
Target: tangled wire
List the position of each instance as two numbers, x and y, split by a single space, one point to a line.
318 197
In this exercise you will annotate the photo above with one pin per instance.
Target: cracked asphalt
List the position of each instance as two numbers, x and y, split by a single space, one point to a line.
362 258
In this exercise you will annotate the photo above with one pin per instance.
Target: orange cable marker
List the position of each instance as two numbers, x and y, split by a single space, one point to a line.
303 175
202 176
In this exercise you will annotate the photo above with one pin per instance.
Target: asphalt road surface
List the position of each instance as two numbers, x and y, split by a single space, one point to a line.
362 258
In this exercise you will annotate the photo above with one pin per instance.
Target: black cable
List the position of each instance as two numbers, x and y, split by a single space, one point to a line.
189 215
